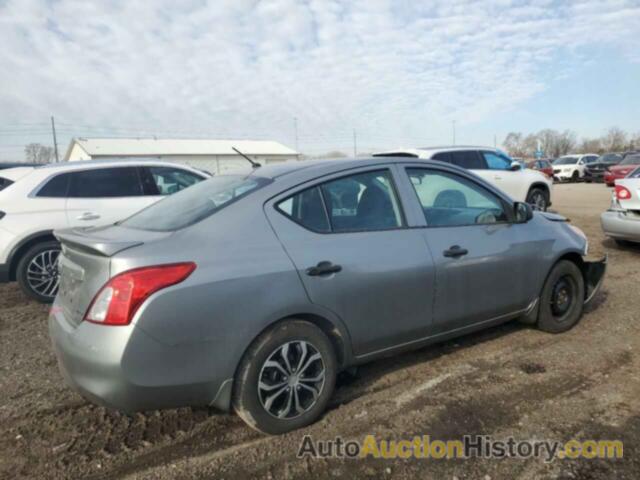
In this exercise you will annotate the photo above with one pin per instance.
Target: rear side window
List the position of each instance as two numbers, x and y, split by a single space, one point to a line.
468 159
443 157
106 182
4 183
57 187
194 204
357 203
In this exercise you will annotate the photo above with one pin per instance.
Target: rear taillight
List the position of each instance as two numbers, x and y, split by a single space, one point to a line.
622 193
117 302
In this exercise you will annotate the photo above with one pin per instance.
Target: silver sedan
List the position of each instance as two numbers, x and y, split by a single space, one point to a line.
622 221
251 292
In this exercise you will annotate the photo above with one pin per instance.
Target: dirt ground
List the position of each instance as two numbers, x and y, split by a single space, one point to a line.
509 380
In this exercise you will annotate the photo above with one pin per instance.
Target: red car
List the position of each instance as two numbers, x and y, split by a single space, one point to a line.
624 168
543 166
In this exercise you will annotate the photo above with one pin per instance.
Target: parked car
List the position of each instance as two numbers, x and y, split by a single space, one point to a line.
543 166
253 291
35 201
617 172
570 168
595 172
622 221
494 166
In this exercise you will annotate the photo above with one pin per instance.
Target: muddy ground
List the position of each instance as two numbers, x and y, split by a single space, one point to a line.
509 380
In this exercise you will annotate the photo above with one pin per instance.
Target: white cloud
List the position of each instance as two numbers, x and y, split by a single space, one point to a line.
399 72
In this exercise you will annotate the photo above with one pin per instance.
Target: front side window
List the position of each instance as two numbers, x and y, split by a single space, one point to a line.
106 182
169 180
360 202
195 204
496 161
449 200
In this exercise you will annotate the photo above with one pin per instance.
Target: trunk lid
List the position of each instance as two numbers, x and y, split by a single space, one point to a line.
633 185
85 263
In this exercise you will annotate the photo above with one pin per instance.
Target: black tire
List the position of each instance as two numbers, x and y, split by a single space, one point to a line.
575 177
25 277
250 402
564 280
538 197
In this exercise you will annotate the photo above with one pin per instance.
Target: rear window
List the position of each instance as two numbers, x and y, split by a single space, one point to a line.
4 183
631 160
106 182
195 203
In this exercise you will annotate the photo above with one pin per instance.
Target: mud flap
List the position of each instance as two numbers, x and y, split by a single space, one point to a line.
593 278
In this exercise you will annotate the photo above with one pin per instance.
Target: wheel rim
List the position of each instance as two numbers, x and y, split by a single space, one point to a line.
562 296
291 380
538 200
42 273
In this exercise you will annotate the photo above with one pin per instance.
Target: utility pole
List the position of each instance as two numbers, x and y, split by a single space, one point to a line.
55 140
355 144
453 125
295 130
495 141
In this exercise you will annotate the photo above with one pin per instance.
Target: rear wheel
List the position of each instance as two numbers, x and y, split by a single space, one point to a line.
538 198
562 298
37 271
575 176
285 378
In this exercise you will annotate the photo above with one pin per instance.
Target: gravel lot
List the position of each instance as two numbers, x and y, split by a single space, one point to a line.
509 380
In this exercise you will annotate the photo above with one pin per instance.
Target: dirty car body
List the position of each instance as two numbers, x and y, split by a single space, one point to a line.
375 280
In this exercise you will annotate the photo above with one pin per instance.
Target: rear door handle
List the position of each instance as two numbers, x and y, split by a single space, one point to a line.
323 268
88 216
455 251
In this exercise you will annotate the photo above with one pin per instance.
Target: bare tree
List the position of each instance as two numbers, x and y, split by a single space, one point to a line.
513 144
615 140
591 145
565 143
37 153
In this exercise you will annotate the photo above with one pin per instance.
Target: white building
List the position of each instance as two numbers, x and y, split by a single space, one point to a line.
215 156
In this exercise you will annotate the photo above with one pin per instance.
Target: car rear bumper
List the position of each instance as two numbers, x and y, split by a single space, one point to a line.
122 367
594 273
620 225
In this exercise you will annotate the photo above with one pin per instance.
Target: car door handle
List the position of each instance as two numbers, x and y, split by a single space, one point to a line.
88 216
323 268
455 251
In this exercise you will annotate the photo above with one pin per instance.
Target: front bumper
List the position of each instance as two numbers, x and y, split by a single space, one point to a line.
594 273
594 176
122 367
618 224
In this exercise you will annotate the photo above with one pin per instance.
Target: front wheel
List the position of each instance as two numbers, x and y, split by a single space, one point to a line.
285 378
538 198
575 177
37 271
562 298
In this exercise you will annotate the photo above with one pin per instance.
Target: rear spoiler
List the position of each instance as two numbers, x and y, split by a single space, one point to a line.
88 240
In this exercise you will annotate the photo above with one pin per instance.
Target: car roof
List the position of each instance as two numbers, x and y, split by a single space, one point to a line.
430 151
15 173
108 163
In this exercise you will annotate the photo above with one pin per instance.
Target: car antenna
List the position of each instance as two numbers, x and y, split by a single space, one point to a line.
253 164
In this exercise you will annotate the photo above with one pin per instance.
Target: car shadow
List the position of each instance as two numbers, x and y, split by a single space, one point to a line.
624 247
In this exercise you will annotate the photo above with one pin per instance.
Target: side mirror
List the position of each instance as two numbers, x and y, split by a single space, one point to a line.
515 166
523 212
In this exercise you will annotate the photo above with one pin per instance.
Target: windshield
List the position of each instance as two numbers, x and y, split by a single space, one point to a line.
195 203
631 160
566 161
634 174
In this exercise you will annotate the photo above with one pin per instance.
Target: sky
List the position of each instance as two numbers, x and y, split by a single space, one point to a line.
313 73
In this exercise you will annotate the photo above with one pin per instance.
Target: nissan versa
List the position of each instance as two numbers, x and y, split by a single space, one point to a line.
251 292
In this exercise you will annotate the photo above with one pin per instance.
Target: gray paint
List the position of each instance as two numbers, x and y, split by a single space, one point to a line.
396 289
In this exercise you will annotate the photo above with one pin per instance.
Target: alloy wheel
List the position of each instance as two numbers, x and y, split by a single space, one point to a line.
291 380
42 273
538 201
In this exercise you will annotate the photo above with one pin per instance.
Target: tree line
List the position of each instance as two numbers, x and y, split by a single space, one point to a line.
554 143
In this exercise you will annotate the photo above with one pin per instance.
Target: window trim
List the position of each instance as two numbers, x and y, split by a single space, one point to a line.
337 176
505 204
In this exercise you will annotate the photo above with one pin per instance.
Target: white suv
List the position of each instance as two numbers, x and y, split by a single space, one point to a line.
35 201
571 167
493 165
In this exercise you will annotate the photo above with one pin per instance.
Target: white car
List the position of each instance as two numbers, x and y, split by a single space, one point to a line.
493 165
36 200
622 221
571 167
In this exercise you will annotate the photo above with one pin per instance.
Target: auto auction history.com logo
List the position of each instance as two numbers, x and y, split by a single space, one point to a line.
470 446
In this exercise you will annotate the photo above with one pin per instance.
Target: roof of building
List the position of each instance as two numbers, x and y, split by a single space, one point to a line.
176 146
